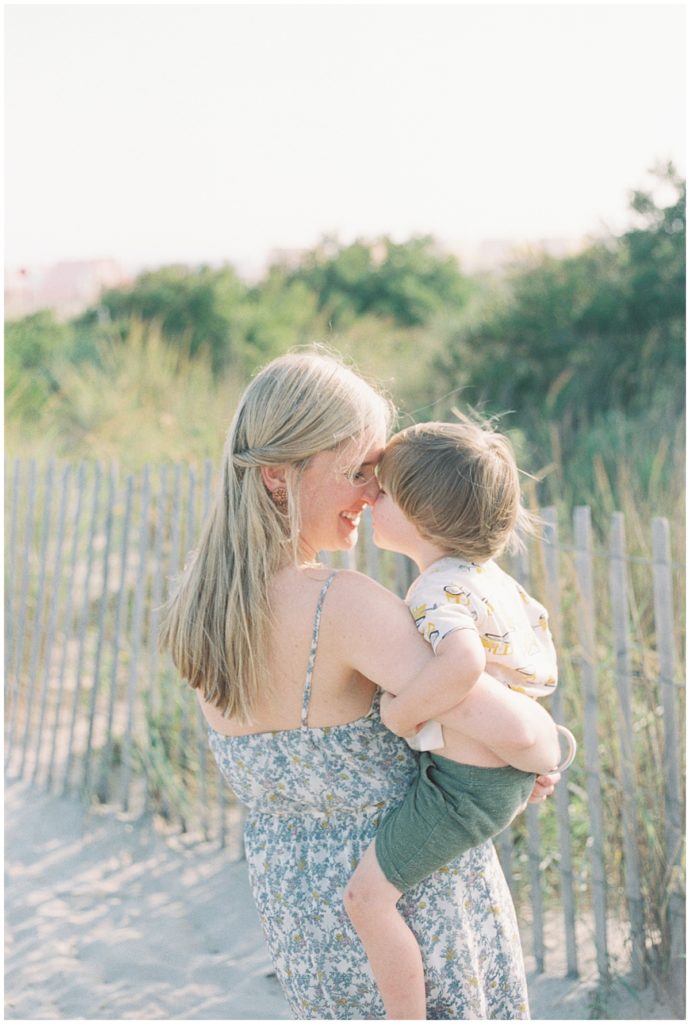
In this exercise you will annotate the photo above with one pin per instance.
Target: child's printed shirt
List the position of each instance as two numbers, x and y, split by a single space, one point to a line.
514 628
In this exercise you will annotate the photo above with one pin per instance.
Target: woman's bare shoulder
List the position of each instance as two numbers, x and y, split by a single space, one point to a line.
361 604
361 615
349 584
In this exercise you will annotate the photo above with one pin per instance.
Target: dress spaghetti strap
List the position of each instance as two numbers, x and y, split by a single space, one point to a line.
312 653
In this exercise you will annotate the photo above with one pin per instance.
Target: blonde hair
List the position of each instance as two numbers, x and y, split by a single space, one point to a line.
217 623
458 484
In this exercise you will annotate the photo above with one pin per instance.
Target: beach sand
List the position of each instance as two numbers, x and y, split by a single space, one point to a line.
109 919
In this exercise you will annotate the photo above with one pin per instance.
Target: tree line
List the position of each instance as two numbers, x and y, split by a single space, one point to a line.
586 352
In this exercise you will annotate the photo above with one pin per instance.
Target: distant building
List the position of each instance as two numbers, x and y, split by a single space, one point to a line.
474 257
67 288
282 257
492 254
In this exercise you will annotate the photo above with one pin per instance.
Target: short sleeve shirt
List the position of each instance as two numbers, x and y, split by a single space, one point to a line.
514 628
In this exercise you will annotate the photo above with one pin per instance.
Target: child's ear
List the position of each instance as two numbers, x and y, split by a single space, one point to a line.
273 477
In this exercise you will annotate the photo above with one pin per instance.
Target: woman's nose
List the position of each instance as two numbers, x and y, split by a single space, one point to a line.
371 491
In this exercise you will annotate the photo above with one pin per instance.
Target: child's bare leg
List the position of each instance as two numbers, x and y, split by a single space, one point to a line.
393 952
514 727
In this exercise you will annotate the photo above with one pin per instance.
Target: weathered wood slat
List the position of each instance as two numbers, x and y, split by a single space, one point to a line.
118 629
81 656
202 740
67 625
184 741
550 548
157 590
522 573
52 619
176 523
404 574
100 628
38 612
166 711
673 809
618 584
588 672
23 604
222 796
11 613
534 856
135 642
152 694
10 565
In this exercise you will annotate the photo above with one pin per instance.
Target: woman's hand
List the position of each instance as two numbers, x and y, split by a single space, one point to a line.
544 787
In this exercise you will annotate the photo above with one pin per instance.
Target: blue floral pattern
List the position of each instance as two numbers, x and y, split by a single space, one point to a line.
315 797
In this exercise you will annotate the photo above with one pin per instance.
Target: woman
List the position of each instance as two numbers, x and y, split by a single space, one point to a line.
287 658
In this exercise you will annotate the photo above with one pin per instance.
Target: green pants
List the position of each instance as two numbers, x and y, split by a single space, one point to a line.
448 809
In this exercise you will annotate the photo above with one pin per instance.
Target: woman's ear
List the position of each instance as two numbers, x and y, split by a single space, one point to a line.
273 477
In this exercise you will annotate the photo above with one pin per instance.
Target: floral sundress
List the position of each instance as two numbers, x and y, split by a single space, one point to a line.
315 796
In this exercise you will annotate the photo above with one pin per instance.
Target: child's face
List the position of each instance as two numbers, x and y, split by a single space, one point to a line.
393 531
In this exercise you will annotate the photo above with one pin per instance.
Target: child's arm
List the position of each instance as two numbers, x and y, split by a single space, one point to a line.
441 685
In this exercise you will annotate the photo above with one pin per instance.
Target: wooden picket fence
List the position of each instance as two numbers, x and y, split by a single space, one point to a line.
92 708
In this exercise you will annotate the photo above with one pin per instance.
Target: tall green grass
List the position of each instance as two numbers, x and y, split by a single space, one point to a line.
142 400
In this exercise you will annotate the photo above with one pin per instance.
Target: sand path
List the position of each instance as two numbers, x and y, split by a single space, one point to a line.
110 920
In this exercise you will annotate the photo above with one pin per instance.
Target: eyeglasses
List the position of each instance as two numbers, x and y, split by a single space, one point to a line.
363 475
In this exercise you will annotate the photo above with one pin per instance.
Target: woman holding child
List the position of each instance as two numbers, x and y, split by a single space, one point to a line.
288 659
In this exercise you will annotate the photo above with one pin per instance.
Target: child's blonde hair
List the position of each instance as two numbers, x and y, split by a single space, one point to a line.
458 484
217 624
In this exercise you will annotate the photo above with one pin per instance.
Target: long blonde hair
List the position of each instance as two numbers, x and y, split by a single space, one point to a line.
217 623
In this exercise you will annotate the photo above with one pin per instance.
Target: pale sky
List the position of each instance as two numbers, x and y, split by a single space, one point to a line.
157 133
